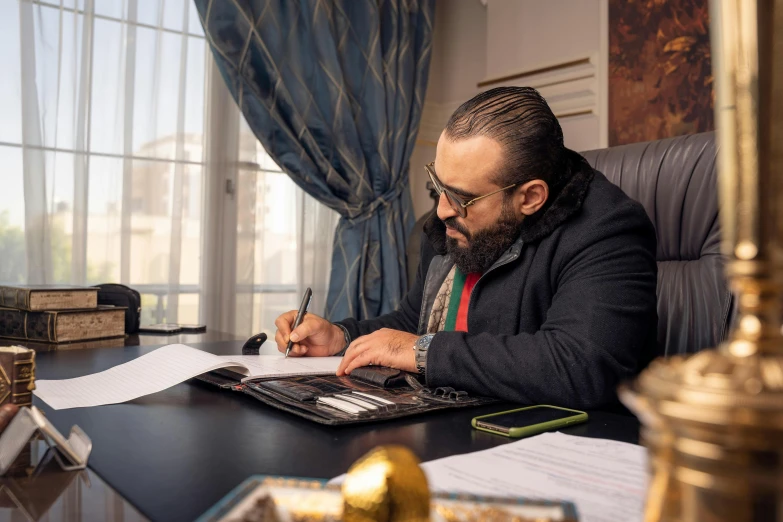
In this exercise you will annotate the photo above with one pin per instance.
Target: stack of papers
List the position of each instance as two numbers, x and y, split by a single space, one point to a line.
605 479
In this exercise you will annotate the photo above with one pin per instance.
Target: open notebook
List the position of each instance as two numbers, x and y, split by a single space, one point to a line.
258 366
307 387
167 366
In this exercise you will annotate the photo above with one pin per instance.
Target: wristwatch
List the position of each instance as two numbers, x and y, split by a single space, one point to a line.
421 346
347 338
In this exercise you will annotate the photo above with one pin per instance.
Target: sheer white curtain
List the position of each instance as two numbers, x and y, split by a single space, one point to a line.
122 160
283 241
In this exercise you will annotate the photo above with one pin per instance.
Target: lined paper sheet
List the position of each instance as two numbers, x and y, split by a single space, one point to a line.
162 369
605 479
279 366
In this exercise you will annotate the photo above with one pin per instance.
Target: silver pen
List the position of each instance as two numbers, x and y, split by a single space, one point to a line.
300 316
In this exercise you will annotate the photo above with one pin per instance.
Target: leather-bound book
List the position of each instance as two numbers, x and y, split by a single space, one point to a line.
62 326
48 297
17 375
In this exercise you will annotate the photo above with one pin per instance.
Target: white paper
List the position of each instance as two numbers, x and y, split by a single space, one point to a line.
605 479
162 369
279 366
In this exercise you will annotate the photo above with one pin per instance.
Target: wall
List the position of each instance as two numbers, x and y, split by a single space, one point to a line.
558 46
529 33
457 65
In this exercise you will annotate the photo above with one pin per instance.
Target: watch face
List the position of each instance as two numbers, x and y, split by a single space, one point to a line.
424 340
422 343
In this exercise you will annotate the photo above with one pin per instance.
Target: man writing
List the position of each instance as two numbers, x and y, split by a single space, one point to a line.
537 279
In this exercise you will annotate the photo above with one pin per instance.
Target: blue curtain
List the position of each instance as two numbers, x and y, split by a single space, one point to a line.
334 90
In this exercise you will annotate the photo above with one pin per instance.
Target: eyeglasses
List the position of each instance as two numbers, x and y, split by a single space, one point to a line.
457 202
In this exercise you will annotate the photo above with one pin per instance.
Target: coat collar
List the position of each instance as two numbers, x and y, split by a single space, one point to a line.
566 202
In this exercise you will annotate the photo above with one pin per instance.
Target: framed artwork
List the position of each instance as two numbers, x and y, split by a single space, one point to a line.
660 70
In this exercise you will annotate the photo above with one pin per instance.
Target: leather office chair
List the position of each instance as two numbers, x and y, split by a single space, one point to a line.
676 181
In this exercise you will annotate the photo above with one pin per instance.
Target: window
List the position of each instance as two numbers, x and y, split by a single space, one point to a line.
103 145
267 236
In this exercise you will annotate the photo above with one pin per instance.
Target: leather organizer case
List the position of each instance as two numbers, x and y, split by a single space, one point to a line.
369 394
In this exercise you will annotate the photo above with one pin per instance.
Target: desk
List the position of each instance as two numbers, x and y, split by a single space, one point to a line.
174 454
128 340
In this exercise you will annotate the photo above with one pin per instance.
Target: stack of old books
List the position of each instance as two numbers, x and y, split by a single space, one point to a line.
57 314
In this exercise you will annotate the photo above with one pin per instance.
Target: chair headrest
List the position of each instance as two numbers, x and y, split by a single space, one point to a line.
676 181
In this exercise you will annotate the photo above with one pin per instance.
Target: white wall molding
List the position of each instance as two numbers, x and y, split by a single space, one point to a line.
570 86
434 117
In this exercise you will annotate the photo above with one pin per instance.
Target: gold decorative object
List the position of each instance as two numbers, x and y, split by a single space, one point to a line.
387 484
714 422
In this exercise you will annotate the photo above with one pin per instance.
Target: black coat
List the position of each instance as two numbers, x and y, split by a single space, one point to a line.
561 318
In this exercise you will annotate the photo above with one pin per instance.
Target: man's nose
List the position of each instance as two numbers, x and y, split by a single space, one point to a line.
445 210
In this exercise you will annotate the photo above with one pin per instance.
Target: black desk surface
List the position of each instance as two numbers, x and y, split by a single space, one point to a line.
175 453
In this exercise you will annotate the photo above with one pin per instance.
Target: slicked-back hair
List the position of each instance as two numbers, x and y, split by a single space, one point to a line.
521 121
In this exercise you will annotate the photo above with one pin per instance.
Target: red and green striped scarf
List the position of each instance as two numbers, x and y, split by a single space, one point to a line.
450 308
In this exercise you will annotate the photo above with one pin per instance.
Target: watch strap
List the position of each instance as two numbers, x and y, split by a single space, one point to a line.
347 338
421 347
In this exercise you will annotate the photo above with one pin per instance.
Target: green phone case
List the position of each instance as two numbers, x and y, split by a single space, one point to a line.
533 429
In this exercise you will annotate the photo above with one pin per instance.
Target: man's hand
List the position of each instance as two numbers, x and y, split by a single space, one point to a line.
7 412
384 347
315 337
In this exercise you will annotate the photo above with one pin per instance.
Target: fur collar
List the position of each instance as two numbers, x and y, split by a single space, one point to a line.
566 202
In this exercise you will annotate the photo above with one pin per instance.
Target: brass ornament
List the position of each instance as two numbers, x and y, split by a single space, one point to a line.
387 484
713 422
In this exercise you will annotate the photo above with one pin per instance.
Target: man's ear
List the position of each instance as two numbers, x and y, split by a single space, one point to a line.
531 196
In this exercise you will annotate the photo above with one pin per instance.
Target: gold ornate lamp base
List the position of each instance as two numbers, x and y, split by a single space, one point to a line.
714 427
714 422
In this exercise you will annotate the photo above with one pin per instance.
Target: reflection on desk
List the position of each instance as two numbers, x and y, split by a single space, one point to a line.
127 340
197 444
60 495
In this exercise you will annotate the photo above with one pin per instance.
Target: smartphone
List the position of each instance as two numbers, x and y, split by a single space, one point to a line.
193 328
163 328
524 422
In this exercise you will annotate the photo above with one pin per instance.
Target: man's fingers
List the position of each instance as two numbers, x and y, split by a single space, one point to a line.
364 359
347 358
281 342
284 323
357 349
297 350
354 349
343 364
308 327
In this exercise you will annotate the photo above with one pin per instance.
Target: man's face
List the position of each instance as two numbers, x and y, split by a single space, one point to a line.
492 224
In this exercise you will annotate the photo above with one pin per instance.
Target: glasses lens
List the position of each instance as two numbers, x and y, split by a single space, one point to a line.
453 200
456 203
435 182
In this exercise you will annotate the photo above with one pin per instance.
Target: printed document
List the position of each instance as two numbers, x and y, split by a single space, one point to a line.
165 367
605 479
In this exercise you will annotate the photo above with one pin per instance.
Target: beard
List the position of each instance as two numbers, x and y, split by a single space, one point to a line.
484 246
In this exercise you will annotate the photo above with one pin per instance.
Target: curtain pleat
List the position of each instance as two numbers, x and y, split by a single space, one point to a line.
334 92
